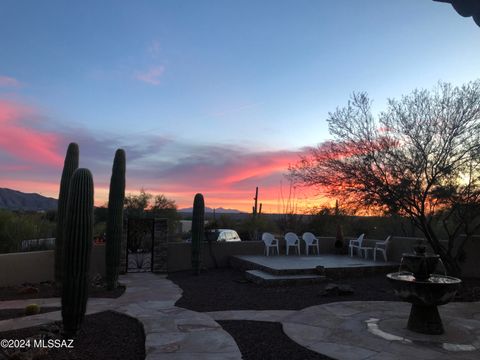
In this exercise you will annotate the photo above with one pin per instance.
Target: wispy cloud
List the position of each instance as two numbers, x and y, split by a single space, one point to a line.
151 76
6 81
154 48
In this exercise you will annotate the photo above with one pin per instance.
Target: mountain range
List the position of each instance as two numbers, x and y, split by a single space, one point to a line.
219 210
17 200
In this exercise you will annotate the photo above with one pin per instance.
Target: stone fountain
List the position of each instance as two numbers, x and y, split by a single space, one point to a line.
417 283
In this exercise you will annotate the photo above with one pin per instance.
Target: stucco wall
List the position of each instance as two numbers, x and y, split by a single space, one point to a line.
179 254
37 266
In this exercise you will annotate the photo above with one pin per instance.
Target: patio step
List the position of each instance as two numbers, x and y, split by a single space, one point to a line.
267 279
243 264
332 266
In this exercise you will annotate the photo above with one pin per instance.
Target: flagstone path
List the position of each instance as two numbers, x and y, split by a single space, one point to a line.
343 330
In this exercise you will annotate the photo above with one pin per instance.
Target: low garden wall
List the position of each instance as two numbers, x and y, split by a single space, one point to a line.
179 254
399 245
37 266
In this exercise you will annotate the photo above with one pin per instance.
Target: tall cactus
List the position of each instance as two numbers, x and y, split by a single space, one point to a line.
70 165
77 249
198 231
115 219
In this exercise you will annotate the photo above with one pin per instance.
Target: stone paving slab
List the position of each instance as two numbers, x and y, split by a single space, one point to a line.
377 330
373 330
171 332
255 315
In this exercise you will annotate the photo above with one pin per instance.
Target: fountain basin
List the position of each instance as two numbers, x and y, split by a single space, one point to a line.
435 290
424 295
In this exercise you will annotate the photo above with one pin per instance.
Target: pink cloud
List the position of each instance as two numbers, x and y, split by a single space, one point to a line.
152 75
6 81
24 143
226 178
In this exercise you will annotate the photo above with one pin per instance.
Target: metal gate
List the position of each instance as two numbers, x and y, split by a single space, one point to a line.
140 240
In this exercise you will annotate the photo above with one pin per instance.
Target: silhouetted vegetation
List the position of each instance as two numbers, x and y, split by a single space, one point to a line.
420 159
145 205
18 226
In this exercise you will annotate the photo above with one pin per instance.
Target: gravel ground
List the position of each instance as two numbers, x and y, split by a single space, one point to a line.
237 294
233 292
104 336
49 289
251 338
16 313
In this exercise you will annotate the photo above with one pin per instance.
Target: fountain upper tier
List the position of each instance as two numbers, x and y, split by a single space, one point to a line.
420 263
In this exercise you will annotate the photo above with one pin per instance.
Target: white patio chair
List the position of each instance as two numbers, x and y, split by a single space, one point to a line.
291 239
356 244
381 246
270 242
310 241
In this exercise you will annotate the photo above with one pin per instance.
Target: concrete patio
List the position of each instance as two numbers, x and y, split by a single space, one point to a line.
328 261
294 269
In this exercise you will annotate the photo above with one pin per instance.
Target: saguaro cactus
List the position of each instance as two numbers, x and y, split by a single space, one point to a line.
77 249
115 219
70 165
198 231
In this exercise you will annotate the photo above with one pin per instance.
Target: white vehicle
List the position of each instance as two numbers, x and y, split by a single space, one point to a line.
220 235
223 235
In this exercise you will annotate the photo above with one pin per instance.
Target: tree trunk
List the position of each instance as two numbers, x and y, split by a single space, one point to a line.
451 266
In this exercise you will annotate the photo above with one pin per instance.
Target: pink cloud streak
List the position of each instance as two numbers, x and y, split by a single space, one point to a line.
25 143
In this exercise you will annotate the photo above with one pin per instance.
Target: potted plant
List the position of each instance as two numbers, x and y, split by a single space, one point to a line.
339 240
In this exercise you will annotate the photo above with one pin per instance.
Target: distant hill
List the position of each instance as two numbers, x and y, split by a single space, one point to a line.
17 200
219 210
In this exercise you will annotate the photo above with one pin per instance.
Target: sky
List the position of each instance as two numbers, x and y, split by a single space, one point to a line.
216 97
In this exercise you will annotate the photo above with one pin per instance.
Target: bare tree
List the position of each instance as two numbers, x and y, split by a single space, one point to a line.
419 159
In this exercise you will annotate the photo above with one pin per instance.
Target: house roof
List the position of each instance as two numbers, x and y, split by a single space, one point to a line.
466 8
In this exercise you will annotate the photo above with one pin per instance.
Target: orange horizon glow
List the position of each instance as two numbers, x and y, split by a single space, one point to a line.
242 201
